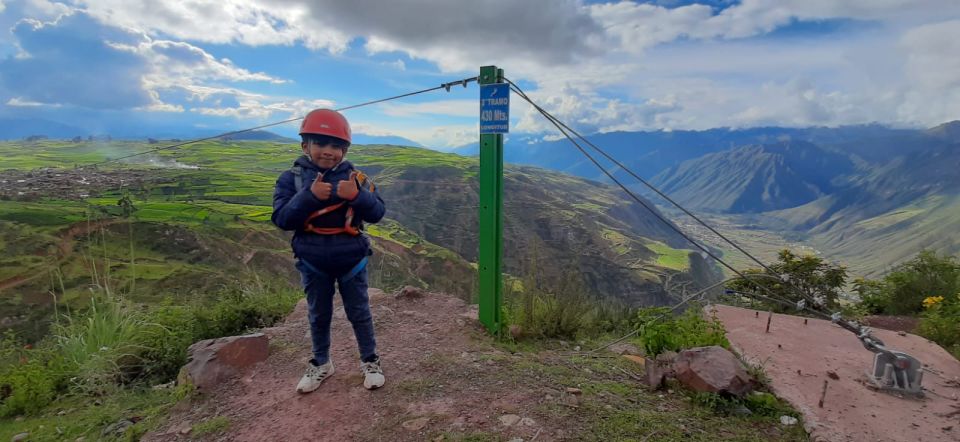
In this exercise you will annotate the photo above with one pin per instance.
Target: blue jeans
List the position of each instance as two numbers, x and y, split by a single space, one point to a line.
319 288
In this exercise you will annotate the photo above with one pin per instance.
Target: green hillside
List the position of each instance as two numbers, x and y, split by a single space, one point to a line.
184 223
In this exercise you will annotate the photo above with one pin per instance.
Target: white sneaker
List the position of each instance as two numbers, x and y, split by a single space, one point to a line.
372 374
314 376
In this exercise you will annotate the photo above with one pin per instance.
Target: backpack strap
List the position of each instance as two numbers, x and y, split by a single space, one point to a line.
297 172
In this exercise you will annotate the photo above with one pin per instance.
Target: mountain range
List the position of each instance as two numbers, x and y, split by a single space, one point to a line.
18 128
869 196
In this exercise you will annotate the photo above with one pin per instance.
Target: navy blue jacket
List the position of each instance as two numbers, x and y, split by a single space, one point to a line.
333 254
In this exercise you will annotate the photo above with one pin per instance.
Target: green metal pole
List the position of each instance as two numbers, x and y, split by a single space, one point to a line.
491 217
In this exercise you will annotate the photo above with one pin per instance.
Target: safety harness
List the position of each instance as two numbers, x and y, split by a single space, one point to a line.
348 226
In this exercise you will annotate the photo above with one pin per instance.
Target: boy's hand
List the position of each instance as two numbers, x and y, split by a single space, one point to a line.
320 189
347 189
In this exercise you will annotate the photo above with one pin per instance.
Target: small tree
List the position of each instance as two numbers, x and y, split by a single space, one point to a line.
795 278
926 275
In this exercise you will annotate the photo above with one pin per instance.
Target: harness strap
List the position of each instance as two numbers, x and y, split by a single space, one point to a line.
354 271
346 277
347 228
310 267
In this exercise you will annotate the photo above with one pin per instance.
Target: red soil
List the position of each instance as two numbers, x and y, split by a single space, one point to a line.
797 358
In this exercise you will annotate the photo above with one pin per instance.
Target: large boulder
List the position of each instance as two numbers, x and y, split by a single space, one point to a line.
213 360
712 369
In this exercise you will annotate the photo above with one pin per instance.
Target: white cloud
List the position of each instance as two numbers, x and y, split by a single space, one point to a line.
398 65
435 136
254 23
451 108
20 102
599 67
932 72
104 67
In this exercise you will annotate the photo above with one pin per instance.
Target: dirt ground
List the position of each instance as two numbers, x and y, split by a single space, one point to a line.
264 406
798 357
447 380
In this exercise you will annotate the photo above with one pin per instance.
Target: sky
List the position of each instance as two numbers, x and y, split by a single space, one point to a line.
142 67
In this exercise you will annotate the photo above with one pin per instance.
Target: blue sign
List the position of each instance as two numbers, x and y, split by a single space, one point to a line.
495 108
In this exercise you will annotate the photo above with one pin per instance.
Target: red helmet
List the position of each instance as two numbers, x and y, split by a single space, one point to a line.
326 122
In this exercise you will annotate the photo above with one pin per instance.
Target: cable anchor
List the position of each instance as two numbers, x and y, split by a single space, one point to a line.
464 82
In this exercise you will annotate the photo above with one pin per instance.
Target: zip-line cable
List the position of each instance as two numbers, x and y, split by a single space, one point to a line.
655 189
446 86
553 120
558 123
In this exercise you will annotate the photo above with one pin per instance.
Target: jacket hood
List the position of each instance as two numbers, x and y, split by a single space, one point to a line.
305 163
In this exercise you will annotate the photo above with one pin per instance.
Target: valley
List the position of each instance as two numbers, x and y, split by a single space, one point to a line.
184 224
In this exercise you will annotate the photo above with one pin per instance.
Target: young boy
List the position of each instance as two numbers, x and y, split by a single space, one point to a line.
325 201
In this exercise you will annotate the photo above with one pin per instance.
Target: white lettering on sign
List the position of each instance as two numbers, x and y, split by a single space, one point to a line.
494 115
495 101
494 108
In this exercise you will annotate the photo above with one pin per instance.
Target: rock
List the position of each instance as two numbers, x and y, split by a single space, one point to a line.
409 292
788 420
20 437
516 439
624 348
659 369
509 420
213 360
472 313
833 375
712 369
185 430
117 428
164 386
527 422
416 424
573 390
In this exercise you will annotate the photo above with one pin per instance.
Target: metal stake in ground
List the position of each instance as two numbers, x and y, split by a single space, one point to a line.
769 318
823 394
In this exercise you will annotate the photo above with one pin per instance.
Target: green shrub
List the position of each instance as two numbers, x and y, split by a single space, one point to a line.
29 378
874 296
941 323
164 347
660 331
794 278
28 388
928 274
102 343
112 343
759 403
